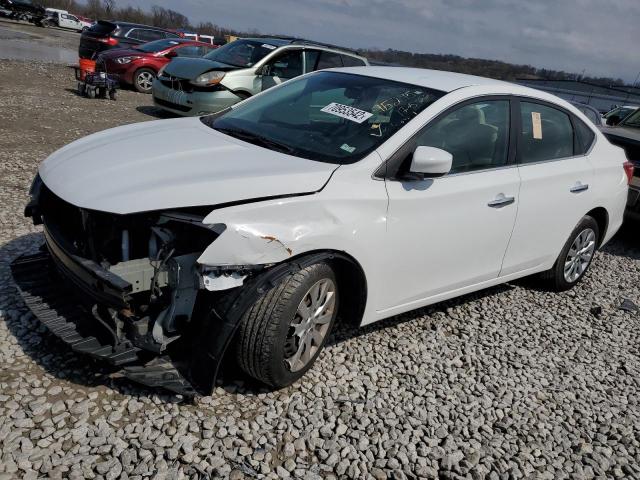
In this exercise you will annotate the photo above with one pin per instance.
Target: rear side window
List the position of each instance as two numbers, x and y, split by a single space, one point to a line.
329 60
145 35
585 137
352 61
546 133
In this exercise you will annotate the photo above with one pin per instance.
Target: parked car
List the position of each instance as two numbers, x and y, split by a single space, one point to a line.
138 66
86 22
626 134
352 194
63 20
104 35
26 10
591 113
614 116
241 69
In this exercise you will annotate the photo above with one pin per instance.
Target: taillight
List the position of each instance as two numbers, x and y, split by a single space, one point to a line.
628 169
109 41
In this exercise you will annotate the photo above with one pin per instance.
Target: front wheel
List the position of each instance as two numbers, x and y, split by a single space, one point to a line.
143 80
283 332
575 257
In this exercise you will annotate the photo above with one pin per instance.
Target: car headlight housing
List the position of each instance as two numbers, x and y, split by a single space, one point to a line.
209 78
125 60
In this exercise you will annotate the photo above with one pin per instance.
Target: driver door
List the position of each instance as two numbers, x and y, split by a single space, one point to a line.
452 232
281 68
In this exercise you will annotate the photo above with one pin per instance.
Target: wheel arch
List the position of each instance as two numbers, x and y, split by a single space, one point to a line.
601 216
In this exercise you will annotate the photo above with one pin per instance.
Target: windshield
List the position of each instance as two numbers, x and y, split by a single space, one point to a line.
327 116
157 45
632 120
620 112
241 53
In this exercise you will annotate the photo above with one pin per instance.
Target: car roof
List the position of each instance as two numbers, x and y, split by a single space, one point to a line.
284 41
138 25
434 79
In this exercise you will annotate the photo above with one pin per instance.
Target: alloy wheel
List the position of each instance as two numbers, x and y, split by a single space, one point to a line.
145 80
579 255
310 324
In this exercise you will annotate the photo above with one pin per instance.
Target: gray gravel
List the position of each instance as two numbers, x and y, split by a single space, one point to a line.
512 382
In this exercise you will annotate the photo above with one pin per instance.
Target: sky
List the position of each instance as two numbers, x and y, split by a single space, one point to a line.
598 36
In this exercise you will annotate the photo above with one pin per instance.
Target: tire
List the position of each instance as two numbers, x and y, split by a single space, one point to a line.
143 79
268 346
585 238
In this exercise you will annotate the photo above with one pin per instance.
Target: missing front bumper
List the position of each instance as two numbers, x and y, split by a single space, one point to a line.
57 305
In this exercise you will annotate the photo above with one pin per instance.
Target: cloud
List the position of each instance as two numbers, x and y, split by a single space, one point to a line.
593 35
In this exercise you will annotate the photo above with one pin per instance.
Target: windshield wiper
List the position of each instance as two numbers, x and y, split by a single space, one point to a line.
256 139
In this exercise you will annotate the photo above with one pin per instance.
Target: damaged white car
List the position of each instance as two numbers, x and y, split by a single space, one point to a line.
344 195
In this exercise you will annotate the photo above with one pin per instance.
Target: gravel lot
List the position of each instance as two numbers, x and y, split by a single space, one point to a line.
512 382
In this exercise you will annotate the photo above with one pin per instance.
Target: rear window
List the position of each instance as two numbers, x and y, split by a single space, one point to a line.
102 28
585 137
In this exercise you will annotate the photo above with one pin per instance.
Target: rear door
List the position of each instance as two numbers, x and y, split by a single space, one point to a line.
555 192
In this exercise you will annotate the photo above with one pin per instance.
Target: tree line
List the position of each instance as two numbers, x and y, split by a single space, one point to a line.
168 18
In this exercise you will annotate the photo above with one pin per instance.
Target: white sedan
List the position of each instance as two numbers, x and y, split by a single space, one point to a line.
351 194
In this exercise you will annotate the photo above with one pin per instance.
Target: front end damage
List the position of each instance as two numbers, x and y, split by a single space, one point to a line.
128 289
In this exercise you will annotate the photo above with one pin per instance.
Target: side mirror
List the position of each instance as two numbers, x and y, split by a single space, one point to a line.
171 54
430 162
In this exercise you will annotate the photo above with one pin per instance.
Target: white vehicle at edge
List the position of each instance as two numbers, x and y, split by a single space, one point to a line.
353 193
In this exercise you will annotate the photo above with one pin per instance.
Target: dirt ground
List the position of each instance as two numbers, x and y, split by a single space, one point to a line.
41 112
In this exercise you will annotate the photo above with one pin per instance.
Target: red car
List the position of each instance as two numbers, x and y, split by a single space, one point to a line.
139 65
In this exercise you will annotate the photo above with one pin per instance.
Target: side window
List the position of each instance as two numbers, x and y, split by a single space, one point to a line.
329 60
352 61
476 135
288 65
189 51
585 137
145 35
311 58
546 133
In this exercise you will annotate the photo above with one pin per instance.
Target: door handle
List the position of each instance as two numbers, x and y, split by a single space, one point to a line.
579 187
501 201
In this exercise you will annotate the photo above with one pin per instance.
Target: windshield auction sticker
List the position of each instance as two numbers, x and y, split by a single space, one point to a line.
536 121
345 111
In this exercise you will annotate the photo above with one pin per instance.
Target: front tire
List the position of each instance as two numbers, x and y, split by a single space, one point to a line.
143 80
575 257
283 332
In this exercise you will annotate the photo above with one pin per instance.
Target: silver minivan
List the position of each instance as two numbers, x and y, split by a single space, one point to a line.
240 69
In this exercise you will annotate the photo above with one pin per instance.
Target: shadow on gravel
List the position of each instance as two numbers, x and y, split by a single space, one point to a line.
155 112
625 243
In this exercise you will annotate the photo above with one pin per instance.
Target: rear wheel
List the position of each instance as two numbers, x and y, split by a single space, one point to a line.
575 257
282 334
143 80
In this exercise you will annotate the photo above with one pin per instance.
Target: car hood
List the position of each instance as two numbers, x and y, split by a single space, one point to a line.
177 163
191 68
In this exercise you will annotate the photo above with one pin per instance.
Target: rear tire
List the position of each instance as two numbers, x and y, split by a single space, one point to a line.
143 80
575 258
283 332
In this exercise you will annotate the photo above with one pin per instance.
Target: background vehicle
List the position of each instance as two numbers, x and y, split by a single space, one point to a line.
356 193
241 69
63 20
26 10
626 134
86 22
138 66
104 35
589 112
613 117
